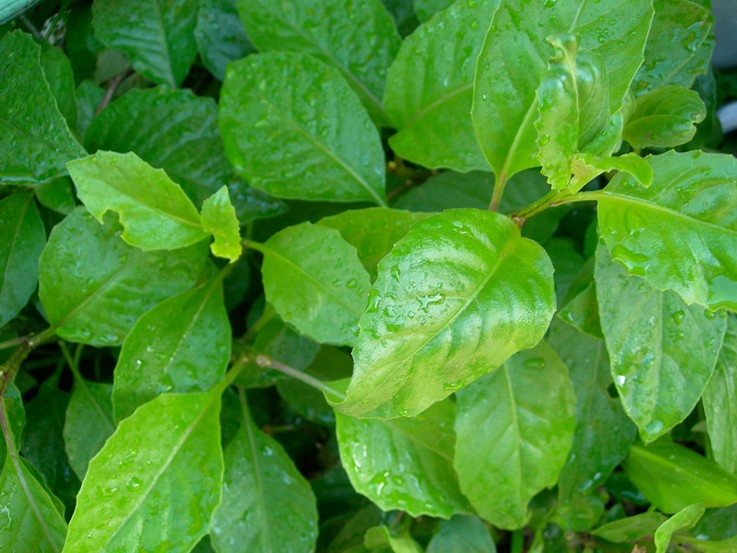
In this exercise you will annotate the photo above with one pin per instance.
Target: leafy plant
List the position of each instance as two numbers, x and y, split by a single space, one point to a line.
353 275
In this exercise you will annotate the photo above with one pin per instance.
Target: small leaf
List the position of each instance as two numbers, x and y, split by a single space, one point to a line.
631 528
458 295
380 537
220 35
462 534
155 212
685 519
156 481
218 218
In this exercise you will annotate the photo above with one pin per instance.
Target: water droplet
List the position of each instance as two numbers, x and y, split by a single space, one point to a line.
352 283
430 299
678 317
134 483
654 427
453 385
620 379
536 363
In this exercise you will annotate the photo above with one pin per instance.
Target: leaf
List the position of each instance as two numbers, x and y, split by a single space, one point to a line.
35 140
88 422
582 312
173 130
267 504
181 345
673 477
425 9
59 76
680 233
157 35
630 528
15 415
679 45
23 239
515 54
93 286
462 534
327 29
294 129
333 286
430 85
220 35
662 351
155 212
219 219
156 481
89 96
404 464
372 231
603 432
57 194
720 402
458 295
515 428
685 519
664 118
567 263
380 537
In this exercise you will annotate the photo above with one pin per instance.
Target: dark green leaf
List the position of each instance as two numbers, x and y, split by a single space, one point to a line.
219 219
57 194
89 96
462 534
582 312
59 76
220 35
425 9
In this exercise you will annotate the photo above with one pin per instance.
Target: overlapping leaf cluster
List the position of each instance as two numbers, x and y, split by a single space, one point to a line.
285 320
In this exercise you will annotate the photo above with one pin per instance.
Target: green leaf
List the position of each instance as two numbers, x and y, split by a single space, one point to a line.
630 528
582 312
458 295
89 96
88 422
327 30
680 233
425 9
293 128
93 286
603 432
267 504
587 166
430 85
15 415
515 428
515 54
157 35
381 537
23 239
219 219
220 35
155 212
332 289
35 140
662 351
673 477
404 464
720 402
664 118
57 194
156 482
567 263
181 345
173 130
59 76
372 231
685 519
679 45
462 534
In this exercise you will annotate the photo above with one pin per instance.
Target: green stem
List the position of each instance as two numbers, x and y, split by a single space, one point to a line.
518 539
13 342
10 367
552 199
496 197
38 339
267 362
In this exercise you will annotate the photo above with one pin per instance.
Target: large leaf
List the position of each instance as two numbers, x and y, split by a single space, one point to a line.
328 30
220 35
430 85
516 52
35 140
458 295
293 127
93 286
267 505
156 482
681 232
662 351
157 35
314 280
404 464
23 238
515 428
181 345
462 534
720 402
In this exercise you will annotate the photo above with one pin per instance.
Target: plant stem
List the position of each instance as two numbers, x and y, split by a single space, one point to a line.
517 542
9 369
496 197
13 342
316 383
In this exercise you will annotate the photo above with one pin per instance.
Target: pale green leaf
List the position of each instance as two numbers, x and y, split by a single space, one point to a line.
157 35
93 286
314 280
683 520
404 464
219 219
23 239
515 428
220 35
381 537
587 166
156 481
181 345
430 85
358 37
155 212
35 140
662 351
630 528
680 233
293 128
462 534
457 296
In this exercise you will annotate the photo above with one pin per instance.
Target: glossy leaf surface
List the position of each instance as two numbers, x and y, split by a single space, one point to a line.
220 35
458 295
515 428
219 219
683 520
462 534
